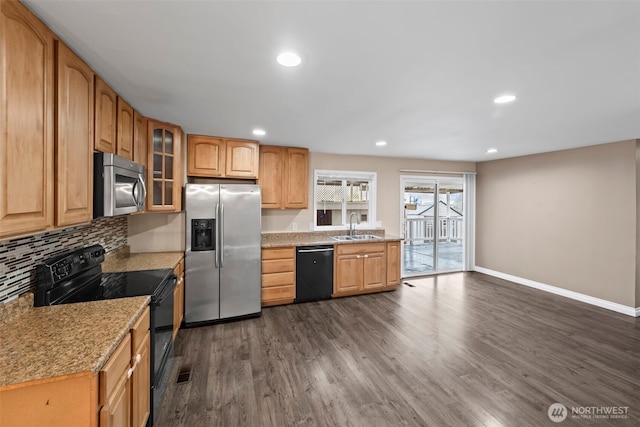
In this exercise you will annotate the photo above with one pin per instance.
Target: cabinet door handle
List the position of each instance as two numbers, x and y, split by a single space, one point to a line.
135 364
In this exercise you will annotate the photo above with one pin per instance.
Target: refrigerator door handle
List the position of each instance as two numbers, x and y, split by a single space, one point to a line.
217 236
221 249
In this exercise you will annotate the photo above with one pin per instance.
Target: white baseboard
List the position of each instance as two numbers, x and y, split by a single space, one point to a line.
629 311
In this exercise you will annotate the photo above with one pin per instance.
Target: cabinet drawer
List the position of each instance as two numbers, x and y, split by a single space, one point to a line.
278 293
279 253
117 366
359 248
139 329
278 266
278 279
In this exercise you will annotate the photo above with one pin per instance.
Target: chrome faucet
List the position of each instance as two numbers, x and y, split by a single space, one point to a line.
351 229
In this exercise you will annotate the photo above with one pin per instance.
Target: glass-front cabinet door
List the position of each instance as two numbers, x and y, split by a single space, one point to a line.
164 173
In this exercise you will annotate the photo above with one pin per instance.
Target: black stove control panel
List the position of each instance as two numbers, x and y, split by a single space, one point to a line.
69 264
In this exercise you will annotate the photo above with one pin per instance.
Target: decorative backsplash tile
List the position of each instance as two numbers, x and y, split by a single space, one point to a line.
19 257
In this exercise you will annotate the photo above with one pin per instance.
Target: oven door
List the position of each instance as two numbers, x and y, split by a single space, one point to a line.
161 341
162 335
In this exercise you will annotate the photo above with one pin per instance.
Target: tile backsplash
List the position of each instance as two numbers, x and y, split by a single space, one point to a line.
18 257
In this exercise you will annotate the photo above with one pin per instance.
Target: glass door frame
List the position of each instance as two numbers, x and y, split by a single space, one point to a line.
436 180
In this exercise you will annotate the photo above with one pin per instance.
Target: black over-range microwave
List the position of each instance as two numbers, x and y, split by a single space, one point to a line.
118 185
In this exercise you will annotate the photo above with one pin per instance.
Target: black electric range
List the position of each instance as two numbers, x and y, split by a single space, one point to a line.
123 285
76 276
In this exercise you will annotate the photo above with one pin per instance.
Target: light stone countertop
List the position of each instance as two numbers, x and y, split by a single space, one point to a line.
311 238
122 260
44 342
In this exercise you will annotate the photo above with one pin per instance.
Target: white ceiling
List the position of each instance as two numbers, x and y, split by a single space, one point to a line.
421 75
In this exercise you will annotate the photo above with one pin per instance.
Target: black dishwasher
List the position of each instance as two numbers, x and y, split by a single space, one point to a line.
314 273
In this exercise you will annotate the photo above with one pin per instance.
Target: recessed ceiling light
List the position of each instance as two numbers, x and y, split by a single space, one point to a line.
504 99
259 132
381 143
289 59
492 150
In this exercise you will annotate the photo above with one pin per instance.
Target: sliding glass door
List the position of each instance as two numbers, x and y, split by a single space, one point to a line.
433 225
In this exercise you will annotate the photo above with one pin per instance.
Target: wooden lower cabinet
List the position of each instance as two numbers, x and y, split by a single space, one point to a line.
359 268
118 396
178 298
115 387
278 275
125 380
141 374
141 385
59 402
393 265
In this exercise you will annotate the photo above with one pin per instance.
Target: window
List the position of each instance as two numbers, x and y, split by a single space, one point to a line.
338 194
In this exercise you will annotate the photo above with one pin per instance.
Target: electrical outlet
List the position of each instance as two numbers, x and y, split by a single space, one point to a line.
294 226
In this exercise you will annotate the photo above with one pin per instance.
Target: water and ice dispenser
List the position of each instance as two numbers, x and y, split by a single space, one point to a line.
203 235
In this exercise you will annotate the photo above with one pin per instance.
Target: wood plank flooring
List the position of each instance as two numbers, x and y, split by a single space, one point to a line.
462 349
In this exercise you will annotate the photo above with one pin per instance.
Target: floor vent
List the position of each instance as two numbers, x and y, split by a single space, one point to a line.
184 375
409 284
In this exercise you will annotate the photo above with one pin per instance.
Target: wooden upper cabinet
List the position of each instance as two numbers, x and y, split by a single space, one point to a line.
105 117
164 171
140 139
205 156
296 178
284 177
125 121
74 139
215 157
271 172
242 159
26 121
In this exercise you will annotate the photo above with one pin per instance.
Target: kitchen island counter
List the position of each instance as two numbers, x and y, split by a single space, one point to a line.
40 343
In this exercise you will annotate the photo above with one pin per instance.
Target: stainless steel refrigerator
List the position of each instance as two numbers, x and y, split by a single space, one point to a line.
222 252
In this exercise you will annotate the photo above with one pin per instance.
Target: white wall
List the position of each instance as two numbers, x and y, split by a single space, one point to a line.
156 232
565 219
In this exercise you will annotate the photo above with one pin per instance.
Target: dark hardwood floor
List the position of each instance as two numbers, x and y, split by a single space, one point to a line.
461 349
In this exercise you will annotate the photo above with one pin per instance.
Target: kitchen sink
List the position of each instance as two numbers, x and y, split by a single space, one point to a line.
356 237
365 237
341 238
